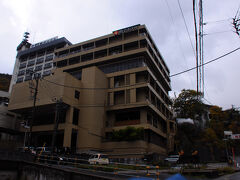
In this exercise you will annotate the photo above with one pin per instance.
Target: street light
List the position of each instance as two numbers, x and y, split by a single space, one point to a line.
227 136
26 127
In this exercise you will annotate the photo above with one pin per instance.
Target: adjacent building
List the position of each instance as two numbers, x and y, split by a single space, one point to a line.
111 95
10 136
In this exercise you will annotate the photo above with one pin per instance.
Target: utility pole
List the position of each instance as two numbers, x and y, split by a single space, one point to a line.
196 39
56 122
36 77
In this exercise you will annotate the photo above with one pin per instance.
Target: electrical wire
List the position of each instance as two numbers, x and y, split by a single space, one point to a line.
207 101
178 40
206 62
217 32
155 79
95 88
186 27
217 21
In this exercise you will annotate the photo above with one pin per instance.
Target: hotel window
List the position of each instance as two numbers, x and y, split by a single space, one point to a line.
28 77
38 68
46 73
39 60
23 65
20 80
77 94
49 58
75 116
31 63
48 65
20 73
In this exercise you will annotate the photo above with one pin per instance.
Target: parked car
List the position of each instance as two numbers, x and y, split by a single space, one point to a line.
27 149
172 159
98 159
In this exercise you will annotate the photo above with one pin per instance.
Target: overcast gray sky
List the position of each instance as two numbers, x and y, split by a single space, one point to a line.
80 20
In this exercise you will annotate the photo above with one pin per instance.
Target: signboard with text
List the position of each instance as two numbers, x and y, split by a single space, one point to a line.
128 29
235 136
44 42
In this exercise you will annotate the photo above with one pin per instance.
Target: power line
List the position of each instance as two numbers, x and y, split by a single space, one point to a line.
186 27
217 21
205 63
207 101
154 80
94 88
74 86
217 32
177 37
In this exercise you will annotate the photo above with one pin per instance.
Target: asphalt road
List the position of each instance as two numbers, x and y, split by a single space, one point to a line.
234 176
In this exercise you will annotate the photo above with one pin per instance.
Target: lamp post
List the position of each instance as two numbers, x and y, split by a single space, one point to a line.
26 127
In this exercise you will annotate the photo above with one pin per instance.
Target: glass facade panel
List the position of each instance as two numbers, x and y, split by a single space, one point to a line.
121 66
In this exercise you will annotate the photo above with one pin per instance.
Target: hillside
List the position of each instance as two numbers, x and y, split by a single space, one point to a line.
5 81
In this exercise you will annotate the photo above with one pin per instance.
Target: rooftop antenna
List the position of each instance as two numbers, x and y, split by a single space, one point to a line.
26 36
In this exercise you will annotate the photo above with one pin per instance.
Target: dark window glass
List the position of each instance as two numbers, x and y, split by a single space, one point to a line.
77 94
31 63
39 60
46 73
20 80
131 115
23 65
48 65
121 66
38 68
28 77
20 73
49 58
75 116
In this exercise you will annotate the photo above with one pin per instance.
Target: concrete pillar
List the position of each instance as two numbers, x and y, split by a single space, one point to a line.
69 115
133 98
67 136
132 91
111 82
111 98
132 79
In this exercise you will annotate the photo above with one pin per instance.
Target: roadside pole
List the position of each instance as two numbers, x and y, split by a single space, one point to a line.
234 160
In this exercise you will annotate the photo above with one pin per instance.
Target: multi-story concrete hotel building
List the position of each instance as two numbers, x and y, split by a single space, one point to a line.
105 86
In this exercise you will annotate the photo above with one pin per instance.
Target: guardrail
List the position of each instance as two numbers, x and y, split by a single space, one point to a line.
112 167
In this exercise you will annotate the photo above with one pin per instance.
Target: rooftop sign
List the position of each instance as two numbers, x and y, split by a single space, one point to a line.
128 29
227 133
44 42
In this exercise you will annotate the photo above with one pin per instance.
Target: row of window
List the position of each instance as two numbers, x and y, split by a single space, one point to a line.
39 55
37 68
121 66
30 77
99 43
38 61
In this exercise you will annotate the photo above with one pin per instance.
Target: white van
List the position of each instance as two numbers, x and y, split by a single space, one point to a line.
98 159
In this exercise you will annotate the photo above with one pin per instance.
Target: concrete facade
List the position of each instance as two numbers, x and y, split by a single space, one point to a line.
106 84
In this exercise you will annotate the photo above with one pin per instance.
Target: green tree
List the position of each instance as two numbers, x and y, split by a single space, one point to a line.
189 104
188 137
127 134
